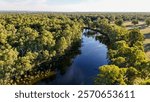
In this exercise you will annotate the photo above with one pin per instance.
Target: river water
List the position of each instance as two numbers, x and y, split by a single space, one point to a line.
82 68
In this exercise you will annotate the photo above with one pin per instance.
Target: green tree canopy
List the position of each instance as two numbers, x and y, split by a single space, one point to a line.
147 21
135 21
119 22
110 75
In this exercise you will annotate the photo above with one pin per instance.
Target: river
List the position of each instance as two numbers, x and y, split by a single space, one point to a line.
82 68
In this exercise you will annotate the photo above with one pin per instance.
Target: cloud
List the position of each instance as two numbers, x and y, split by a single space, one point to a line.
105 5
76 5
22 4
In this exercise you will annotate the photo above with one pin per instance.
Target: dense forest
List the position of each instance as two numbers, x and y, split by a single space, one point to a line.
128 62
29 40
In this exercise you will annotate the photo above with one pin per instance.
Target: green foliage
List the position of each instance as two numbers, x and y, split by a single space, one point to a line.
62 45
135 21
147 21
131 75
119 61
127 53
28 40
119 22
109 75
135 36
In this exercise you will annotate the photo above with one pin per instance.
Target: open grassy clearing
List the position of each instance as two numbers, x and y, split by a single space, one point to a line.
147 45
128 24
146 30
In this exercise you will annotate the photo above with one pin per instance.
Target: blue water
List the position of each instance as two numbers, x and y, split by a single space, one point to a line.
84 67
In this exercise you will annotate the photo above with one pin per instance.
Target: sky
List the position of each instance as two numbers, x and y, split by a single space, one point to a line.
76 5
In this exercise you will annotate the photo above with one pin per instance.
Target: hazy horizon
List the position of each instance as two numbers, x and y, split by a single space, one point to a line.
73 11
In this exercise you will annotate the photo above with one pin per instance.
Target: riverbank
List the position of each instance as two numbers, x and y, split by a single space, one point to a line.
83 67
126 55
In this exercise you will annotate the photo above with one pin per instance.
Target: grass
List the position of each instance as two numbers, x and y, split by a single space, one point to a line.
128 24
147 47
146 30
146 33
146 41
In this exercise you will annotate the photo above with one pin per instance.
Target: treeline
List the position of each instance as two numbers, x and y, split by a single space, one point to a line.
117 18
128 62
28 40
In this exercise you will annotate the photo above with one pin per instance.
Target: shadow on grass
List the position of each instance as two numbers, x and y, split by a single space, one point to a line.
147 47
147 36
142 26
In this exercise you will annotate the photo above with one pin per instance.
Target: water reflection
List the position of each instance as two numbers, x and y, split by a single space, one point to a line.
80 65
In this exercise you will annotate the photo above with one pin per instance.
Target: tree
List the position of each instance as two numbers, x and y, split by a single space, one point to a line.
119 22
112 18
62 45
29 33
3 35
135 21
145 69
147 21
119 61
3 38
120 44
131 75
135 36
28 40
109 75
47 39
